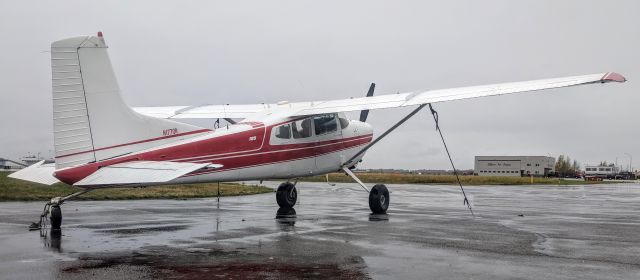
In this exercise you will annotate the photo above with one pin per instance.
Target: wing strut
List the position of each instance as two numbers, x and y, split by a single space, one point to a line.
355 178
350 162
455 172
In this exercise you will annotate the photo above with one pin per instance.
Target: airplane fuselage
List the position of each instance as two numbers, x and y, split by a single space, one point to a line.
254 150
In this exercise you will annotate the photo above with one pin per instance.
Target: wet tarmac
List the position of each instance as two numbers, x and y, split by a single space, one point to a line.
519 232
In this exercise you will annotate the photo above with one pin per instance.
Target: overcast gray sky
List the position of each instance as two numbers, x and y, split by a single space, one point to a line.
196 52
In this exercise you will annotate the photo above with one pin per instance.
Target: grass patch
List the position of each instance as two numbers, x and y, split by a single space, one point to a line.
400 178
18 190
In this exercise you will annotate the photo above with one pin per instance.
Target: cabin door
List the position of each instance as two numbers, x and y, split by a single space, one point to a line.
328 141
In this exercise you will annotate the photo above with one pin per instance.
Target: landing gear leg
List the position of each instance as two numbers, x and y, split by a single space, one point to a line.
378 195
286 195
52 209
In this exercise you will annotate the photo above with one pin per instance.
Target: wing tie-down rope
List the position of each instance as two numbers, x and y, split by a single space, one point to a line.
455 172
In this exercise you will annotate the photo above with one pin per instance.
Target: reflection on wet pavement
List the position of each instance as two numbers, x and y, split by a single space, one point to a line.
519 232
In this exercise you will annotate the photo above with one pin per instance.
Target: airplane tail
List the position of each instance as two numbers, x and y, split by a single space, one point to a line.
91 121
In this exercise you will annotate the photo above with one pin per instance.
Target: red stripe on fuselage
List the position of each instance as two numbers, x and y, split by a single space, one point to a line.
196 173
275 156
272 149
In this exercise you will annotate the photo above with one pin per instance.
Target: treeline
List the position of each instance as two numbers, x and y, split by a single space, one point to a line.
566 167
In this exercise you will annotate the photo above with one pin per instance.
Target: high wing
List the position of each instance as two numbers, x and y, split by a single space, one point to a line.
376 102
441 95
141 172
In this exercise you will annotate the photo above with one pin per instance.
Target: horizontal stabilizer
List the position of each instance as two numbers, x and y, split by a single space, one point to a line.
40 172
142 172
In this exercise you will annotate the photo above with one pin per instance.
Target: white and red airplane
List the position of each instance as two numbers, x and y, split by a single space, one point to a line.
100 142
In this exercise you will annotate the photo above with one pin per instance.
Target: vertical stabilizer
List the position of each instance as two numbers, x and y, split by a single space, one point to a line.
91 121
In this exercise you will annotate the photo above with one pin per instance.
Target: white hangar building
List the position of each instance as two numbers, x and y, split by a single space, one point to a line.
514 165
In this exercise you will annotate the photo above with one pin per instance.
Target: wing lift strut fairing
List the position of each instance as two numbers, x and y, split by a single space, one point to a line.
375 192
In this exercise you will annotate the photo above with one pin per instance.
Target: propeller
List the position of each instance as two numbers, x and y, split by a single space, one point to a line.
365 113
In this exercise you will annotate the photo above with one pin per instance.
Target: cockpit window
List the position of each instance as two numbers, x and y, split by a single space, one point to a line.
283 131
325 124
301 128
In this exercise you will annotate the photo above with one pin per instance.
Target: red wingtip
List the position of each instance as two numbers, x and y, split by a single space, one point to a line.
100 34
613 77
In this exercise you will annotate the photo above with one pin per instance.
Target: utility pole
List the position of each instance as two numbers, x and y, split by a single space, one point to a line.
630 161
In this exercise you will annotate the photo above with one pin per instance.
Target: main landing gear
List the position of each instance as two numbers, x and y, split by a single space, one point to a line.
378 195
379 199
52 209
287 195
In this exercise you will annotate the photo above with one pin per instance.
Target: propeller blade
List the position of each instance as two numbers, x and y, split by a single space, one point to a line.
365 113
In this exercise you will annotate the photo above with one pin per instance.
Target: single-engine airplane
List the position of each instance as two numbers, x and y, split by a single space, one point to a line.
100 142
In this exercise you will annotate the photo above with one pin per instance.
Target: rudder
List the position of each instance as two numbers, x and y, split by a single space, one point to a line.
91 121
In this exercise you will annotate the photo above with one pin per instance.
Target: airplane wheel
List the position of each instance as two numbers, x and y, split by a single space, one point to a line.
379 199
56 217
286 195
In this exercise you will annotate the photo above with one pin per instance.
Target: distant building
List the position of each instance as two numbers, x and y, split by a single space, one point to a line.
514 165
30 160
601 171
9 165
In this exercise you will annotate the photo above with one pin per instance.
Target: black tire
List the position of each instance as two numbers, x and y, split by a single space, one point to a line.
56 217
379 199
286 195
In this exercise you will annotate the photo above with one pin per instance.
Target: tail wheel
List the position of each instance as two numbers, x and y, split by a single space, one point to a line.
379 199
286 195
56 217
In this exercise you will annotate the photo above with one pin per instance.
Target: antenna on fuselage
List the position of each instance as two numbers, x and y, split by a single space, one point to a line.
365 113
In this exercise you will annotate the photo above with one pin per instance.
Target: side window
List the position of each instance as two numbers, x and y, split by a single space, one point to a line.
343 123
283 131
325 124
301 128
